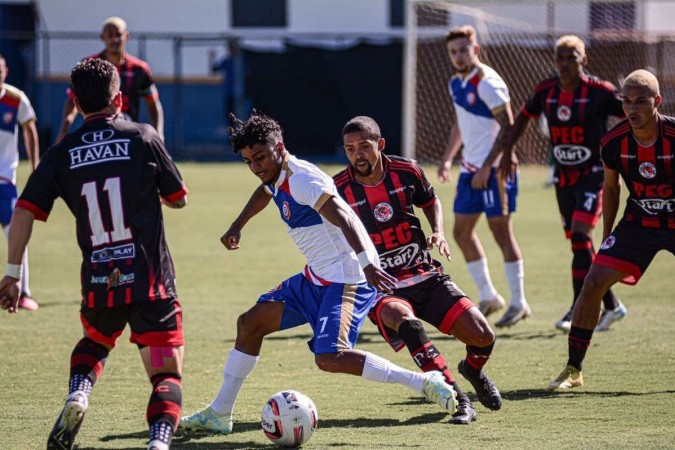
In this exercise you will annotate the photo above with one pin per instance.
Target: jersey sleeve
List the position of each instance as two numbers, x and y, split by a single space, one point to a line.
25 112
169 181
533 107
424 193
493 92
312 189
147 86
609 156
42 189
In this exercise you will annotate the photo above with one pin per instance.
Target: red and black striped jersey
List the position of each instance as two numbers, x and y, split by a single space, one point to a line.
111 174
647 172
386 211
576 122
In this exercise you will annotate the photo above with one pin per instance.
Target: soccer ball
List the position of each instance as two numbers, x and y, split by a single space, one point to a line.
289 418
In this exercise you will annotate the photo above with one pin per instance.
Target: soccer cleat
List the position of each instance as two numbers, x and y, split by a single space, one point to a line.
568 378
565 324
486 390
487 307
513 315
607 318
68 424
27 303
438 391
207 420
465 413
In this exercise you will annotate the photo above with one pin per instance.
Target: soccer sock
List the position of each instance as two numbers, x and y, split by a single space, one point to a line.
477 357
582 258
423 351
515 276
86 365
381 370
164 407
237 368
578 342
610 301
481 276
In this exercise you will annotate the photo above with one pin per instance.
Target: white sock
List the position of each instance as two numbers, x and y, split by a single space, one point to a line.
237 368
515 274
480 273
384 371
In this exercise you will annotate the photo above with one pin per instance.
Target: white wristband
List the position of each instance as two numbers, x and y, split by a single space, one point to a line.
14 271
365 260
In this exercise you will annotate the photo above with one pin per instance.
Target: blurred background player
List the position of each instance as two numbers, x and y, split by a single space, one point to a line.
15 110
333 293
576 107
483 110
127 273
382 191
639 150
135 78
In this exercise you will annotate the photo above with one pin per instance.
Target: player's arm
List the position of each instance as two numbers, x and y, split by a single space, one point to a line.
156 113
509 160
611 195
67 118
353 230
258 201
31 142
20 230
504 118
434 214
178 204
451 151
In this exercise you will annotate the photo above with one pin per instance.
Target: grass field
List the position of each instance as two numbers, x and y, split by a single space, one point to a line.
628 400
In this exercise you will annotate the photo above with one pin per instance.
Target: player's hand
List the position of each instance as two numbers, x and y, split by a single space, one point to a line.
480 179
438 240
231 238
379 279
9 294
444 173
508 166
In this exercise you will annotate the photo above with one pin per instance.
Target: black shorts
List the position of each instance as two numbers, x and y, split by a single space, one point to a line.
631 248
581 202
154 324
437 301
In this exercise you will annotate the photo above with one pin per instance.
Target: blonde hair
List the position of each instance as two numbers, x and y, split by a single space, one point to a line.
118 22
463 31
645 79
570 40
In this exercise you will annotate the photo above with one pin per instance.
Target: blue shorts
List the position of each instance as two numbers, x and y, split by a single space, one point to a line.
8 196
499 199
335 312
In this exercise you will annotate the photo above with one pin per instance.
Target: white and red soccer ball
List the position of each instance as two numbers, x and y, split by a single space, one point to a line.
289 418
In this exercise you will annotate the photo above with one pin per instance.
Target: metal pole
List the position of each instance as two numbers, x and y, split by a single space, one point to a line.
409 82
178 95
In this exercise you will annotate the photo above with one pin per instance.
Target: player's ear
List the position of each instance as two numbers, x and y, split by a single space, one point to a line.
381 144
117 100
657 101
476 49
77 105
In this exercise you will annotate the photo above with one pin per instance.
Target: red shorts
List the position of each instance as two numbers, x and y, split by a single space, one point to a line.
152 324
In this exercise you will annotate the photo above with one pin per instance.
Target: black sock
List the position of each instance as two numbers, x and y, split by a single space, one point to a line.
578 342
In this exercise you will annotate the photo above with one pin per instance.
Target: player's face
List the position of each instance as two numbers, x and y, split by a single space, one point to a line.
569 63
463 54
264 160
115 39
639 106
3 71
364 154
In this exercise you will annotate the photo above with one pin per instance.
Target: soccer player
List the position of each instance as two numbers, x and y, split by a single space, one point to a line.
332 293
576 107
639 150
15 109
382 191
111 174
135 77
483 110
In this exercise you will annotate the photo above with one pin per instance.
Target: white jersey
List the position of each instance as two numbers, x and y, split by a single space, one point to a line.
15 110
474 98
300 192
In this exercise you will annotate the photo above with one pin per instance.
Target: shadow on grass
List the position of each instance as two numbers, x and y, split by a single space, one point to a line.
526 336
527 394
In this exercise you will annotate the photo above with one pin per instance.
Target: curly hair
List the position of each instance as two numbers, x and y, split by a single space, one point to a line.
95 84
363 124
258 129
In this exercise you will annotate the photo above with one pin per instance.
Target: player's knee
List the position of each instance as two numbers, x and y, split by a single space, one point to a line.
328 362
461 234
249 325
482 334
595 286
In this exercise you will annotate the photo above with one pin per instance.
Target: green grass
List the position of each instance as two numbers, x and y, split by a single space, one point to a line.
628 400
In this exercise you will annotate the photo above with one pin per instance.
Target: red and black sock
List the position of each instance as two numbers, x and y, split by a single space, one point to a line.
582 251
165 406
423 351
86 365
477 357
578 342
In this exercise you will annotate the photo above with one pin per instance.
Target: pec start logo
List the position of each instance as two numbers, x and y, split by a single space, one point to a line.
471 98
8 117
647 170
608 243
564 113
286 210
383 212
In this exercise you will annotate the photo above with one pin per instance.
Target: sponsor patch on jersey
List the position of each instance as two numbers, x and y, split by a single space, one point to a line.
647 170
286 210
8 117
97 136
400 258
564 113
100 152
571 155
383 212
654 206
608 243
470 98
112 253
114 279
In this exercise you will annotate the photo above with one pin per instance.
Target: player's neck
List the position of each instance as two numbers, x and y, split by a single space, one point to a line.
374 178
116 59
647 135
468 71
570 85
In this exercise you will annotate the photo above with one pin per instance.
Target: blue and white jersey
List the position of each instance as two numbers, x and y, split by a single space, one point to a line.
474 98
299 193
15 110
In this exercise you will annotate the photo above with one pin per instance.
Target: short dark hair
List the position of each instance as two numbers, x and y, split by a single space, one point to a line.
258 129
462 31
95 84
363 124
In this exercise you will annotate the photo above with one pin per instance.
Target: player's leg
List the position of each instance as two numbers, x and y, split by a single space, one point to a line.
102 327
566 200
340 313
